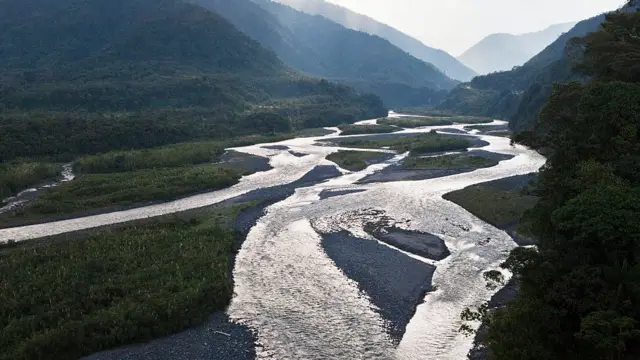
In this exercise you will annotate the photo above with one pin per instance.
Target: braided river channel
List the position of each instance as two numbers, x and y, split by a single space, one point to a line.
313 281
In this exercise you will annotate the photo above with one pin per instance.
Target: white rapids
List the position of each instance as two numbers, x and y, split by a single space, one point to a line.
291 293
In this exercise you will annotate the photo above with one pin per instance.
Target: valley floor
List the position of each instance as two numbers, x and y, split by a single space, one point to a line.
299 232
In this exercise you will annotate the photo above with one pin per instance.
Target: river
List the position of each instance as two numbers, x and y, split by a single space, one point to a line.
299 301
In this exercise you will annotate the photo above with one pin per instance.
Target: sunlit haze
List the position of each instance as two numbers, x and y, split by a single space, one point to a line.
455 25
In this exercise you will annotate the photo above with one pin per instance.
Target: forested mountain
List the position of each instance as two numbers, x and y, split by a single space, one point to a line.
579 292
519 94
89 76
501 52
451 66
320 47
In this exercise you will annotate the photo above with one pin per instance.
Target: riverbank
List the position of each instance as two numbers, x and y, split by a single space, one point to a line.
416 168
358 160
395 282
93 194
228 340
500 203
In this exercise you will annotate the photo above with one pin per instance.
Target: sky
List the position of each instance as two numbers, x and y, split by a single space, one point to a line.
456 25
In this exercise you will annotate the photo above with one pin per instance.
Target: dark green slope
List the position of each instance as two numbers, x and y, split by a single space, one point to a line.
320 47
84 76
519 94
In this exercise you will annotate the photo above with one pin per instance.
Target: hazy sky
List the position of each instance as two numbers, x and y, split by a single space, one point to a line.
455 25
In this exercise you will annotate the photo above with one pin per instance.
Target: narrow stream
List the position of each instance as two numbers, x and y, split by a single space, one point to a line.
302 305
28 194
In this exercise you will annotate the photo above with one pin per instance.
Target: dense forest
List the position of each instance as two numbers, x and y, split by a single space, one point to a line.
320 47
579 292
91 76
519 94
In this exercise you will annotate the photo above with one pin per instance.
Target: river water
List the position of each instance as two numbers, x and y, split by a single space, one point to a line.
299 302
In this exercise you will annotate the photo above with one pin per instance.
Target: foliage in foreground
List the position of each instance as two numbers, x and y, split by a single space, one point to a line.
580 291
356 160
79 295
418 144
15 177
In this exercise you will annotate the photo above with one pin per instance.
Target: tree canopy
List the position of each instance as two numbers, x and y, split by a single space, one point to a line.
580 290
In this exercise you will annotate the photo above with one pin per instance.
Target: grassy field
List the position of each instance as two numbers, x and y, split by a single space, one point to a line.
499 207
415 122
177 155
77 294
89 192
412 122
454 161
127 178
356 160
367 129
15 177
418 144
424 111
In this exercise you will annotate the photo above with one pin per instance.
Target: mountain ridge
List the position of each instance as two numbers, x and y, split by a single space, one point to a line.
503 51
447 63
519 94
320 47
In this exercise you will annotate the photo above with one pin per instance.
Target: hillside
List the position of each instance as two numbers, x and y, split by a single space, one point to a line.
501 52
320 47
442 60
578 295
89 76
519 94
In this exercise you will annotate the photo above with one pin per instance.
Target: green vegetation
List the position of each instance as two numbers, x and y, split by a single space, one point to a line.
417 144
579 292
73 295
414 122
136 83
424 111
316 45
312 132
367 129
454 161
356 160
89 192
15 177
499 207
177 155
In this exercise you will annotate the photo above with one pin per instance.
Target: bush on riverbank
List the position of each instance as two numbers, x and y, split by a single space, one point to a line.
15 177
78 294
98 191
356 160
418 144
411 122
499 207
367 129
416 122
181 154
456 161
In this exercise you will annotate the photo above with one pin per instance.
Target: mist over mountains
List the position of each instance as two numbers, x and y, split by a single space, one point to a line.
501 52
451 66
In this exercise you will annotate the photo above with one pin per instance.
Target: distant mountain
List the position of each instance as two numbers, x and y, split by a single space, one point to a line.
451 66
519 94
81 76
320 47
501 52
